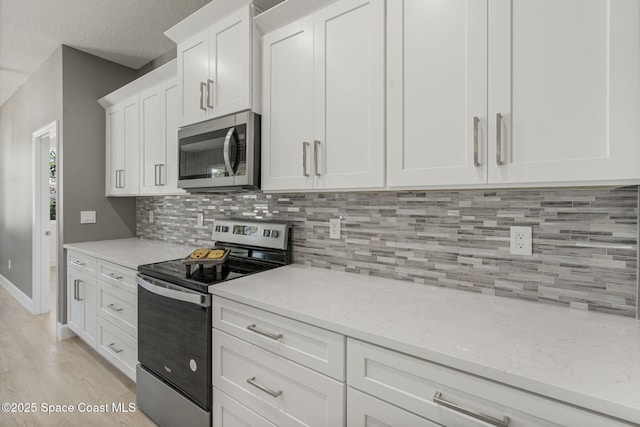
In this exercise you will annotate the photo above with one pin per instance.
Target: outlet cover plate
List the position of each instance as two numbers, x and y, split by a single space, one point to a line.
521 241
87 217
334 228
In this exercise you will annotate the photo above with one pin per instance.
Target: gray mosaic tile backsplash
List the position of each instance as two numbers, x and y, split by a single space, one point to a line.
585 240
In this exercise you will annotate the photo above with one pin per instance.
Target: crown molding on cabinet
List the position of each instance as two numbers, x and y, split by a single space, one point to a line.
153 78
287 12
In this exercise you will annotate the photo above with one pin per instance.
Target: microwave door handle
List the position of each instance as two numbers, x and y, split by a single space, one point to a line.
227 146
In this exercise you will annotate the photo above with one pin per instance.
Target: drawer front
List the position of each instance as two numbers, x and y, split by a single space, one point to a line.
367 411
283 392
120 277
118 307
118 347
412 384
230 413
83 262
308 345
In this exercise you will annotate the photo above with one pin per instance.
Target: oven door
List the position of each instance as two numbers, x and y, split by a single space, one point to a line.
174 336
218 152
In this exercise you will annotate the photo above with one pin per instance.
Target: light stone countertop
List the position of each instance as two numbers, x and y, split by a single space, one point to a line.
584 358
132 252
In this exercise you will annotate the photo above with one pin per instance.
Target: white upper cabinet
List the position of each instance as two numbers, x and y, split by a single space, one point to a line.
159 140
142 135
218 61
437 92
561 76
287 122
123 148
323 112
565 76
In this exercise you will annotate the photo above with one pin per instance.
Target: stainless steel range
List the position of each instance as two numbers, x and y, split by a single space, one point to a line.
174 319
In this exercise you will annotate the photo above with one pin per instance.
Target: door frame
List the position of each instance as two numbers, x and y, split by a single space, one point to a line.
40 259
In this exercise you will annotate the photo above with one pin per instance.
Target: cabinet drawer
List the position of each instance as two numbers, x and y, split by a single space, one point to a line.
412 384
118 347
285 393
81 261
120 277
229 413
308 345
118 307
367 411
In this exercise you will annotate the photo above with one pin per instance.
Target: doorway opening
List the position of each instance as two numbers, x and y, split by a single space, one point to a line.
45 219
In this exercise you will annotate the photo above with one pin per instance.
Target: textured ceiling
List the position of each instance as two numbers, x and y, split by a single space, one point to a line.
129 32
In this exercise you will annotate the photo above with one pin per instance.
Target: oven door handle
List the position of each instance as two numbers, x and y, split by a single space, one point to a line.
192 298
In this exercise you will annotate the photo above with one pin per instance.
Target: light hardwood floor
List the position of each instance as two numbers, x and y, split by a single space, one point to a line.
36 368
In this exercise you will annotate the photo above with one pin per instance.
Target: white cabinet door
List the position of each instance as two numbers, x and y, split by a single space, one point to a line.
152 139
75 307
122 148
159 140
169 173
81 305
437 92
564 75
193 73
230 64
287 122
349 95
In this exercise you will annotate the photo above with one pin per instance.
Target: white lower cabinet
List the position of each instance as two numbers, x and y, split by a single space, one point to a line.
283 392
102 308
81 304
454 398
118 347
367 411
228 412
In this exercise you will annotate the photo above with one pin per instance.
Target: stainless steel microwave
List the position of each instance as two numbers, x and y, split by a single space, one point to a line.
220 154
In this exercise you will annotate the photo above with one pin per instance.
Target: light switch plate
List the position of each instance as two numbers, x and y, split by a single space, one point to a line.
87 217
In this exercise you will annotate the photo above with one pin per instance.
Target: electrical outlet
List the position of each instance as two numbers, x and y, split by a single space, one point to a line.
521 240
87 217
9 265
200 219
150 217
334 228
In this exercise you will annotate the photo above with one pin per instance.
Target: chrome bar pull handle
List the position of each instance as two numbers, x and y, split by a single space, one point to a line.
78 263
476 161
203 86
117 178
316 148
210 84
113 348
161 177
77 292
114 307
305 144
254 328
113 276
499 139
270 392
504 422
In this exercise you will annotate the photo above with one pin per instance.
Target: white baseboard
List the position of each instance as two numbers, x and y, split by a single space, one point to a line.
17 293
63 332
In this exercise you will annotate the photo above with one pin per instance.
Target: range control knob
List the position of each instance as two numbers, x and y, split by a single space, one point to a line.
225 228
266 233
218 228
274 233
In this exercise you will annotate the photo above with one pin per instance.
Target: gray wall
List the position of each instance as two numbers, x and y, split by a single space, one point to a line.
85 79
37 103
